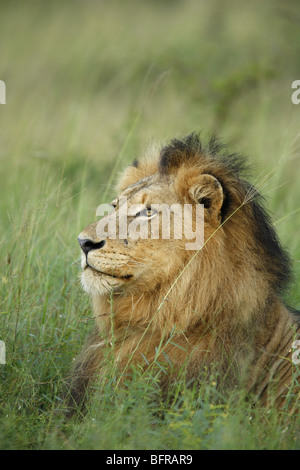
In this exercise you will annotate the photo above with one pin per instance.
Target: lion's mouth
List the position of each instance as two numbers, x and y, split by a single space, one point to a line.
127 276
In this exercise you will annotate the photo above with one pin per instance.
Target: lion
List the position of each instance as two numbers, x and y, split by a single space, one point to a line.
219 307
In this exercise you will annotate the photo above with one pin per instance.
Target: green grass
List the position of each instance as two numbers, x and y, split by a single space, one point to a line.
89 84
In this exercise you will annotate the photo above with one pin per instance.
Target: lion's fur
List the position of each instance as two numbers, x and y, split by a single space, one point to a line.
222 306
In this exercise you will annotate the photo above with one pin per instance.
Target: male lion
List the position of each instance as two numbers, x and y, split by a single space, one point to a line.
219 307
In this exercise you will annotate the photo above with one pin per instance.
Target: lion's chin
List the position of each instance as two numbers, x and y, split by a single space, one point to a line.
97 282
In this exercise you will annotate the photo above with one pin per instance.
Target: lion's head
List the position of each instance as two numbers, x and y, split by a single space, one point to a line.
239 240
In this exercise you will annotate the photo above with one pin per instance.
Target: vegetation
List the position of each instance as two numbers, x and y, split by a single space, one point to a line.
88 85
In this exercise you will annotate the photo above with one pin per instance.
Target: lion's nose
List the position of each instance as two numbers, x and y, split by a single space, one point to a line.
87 245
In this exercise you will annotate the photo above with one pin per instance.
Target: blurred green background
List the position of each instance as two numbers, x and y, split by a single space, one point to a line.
88 80
88 85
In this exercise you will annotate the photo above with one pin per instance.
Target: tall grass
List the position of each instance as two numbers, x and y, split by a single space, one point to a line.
88 85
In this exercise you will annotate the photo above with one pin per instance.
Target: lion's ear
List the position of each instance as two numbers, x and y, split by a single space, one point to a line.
208 191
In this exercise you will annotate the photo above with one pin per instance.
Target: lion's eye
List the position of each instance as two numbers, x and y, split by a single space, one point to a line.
147 212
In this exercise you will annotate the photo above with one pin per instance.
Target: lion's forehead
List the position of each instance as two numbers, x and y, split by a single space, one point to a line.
151 190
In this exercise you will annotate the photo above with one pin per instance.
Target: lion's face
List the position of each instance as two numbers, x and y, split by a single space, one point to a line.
138 264
127 263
